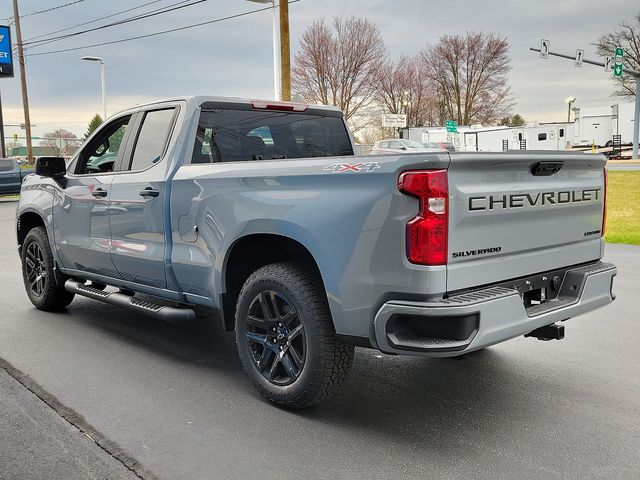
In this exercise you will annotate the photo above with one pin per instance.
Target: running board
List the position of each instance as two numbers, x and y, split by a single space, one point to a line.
161 312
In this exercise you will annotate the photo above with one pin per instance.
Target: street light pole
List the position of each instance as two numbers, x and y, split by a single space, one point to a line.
570 101
102 82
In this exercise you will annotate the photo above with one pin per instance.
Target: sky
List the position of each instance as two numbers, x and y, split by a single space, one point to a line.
234 57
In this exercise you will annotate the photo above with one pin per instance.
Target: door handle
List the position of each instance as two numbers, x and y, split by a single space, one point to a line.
99 192
149 192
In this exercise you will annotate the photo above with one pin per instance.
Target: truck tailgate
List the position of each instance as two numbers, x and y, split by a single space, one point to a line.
516 214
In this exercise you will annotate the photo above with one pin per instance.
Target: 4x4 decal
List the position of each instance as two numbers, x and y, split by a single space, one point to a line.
352 167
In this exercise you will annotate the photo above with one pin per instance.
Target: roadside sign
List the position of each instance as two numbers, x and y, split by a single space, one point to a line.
452 126
544 48
608 64
617 70
396 120
617 66
579 57
6 58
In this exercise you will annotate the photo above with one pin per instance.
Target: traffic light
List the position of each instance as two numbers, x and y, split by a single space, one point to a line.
15 137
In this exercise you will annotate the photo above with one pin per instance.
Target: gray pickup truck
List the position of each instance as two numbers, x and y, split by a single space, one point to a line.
260 211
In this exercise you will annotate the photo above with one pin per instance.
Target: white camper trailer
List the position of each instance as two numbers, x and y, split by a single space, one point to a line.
622 121
593 126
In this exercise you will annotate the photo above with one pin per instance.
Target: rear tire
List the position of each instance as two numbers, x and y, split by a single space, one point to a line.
38 273
285 336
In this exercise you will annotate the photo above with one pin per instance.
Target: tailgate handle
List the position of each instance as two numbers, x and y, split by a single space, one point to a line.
544 169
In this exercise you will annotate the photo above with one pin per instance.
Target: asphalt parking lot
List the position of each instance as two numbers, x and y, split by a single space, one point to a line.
173 400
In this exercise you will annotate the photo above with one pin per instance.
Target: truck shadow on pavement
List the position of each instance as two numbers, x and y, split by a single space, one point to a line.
407 399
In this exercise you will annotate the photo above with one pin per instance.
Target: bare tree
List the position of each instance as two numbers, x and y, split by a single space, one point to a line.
336 65
470 77
628 37
62 141
403 87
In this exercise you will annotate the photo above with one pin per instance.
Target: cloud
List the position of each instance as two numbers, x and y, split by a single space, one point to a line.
235 58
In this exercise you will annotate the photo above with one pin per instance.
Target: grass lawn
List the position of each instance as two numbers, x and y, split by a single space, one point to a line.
623 207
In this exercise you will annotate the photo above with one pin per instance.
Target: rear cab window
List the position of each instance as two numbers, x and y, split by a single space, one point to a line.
237 132
152 139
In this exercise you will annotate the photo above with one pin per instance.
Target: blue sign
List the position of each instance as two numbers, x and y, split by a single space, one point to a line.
6 58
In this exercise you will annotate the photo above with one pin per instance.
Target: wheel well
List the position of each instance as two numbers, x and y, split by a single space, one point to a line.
26 222
249 254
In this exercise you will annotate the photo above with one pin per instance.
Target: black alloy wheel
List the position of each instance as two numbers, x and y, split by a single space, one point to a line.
35 269
276 338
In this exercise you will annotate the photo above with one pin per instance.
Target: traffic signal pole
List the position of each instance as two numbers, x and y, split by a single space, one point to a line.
636 121
635 73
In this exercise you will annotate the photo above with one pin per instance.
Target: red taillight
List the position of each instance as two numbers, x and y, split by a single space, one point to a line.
427 233
282 106
604 200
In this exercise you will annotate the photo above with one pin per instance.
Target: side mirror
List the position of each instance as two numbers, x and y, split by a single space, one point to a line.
403 147
54 167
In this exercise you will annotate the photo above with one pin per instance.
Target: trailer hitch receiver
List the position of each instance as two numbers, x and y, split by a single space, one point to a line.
548 332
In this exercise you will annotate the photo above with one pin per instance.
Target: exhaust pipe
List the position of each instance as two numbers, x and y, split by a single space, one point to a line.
548 332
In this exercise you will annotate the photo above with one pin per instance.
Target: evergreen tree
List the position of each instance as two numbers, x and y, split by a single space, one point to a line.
95 122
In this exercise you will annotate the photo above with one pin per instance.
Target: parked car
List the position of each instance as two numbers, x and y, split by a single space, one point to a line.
400 145
11 176
448 146
260 211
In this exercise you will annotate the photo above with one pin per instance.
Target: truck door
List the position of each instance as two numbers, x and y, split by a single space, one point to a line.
136 212
80 212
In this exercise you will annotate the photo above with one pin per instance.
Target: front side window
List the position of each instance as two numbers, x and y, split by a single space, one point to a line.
100 155
228 135
542 136
152 138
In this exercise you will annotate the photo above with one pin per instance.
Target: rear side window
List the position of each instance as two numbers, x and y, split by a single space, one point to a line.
152 138
6 165
228 135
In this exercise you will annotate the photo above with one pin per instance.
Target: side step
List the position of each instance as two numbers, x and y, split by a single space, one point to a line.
161 312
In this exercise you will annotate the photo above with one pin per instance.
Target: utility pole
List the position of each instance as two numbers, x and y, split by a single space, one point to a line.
3 150
23 82
636 75
285 51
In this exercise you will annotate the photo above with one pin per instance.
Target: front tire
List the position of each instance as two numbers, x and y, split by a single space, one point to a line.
285 337
38 273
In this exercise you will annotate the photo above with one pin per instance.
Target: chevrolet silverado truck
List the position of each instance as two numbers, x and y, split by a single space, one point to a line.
260 211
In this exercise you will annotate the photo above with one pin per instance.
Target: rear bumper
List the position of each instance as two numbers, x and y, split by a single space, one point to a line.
471 321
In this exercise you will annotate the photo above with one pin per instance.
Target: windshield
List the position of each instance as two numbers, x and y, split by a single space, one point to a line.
412 144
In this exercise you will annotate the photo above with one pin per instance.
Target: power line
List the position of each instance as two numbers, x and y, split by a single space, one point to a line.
38 12
156 33
151 13
94 20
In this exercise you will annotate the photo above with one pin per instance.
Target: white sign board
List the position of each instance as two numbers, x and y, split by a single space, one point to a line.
544 48
579 57
608 64
398 120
